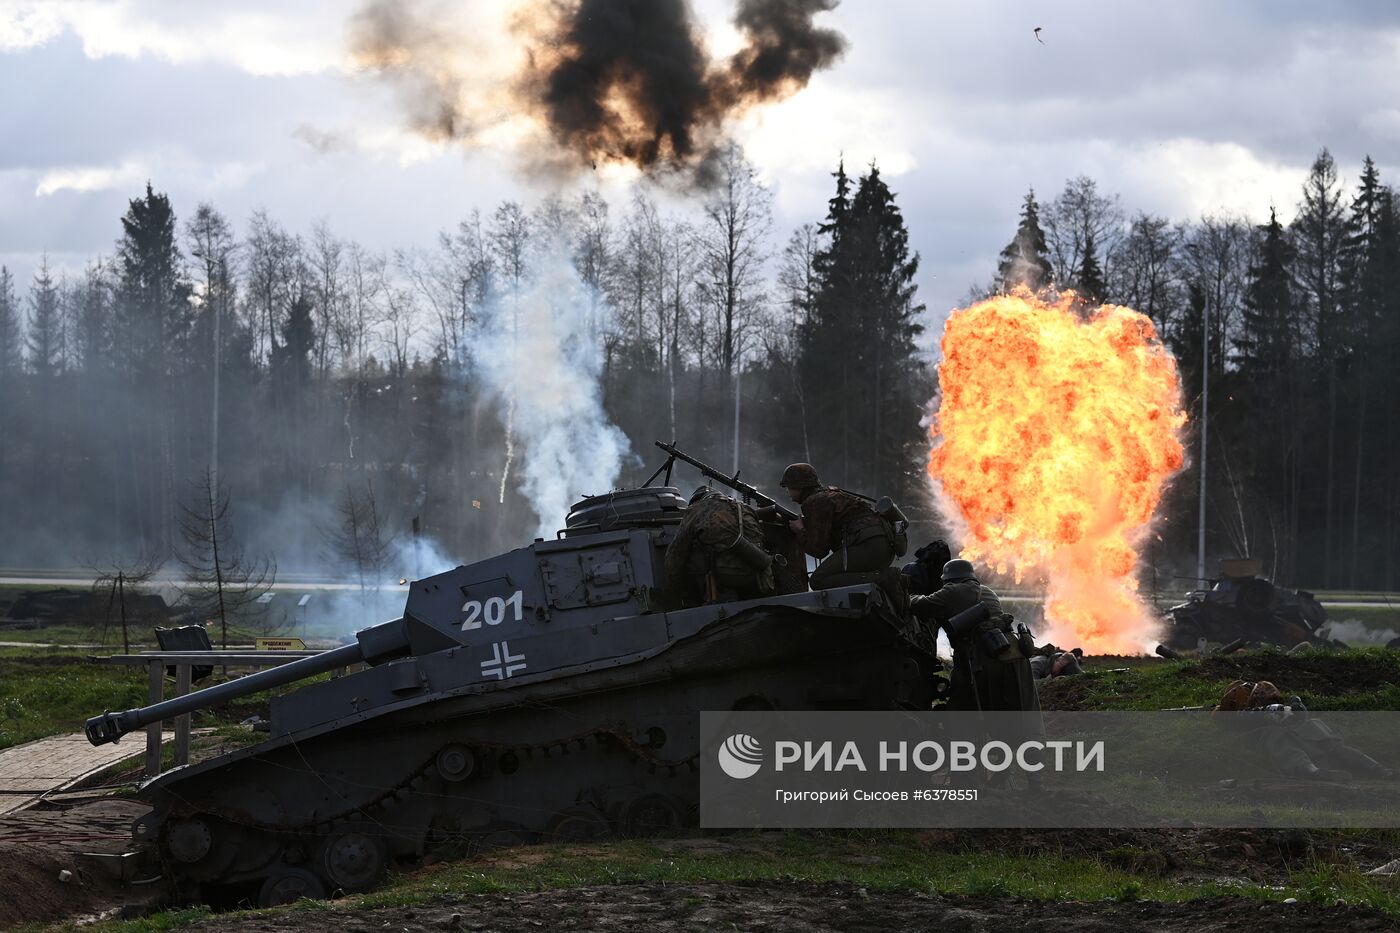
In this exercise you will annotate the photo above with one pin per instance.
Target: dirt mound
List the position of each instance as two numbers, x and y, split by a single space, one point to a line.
806 908
40 844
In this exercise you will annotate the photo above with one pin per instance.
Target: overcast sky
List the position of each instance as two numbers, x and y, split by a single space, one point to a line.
1181 108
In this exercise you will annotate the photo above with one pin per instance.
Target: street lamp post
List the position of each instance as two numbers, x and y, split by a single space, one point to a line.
1205 431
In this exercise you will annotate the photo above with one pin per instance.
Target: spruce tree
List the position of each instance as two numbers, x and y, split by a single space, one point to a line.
1364 263
45 338
1089 283
1267 342
858 358
153 307
1024 261
10 338
151 326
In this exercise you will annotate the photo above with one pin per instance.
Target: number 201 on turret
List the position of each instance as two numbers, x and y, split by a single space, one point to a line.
492 611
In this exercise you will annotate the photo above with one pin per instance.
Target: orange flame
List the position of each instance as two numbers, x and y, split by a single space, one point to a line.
1054 438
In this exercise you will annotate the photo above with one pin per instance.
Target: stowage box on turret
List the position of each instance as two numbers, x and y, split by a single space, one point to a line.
543 693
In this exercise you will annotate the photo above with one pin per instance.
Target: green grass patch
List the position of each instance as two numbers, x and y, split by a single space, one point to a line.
52 694
1356 679
49 696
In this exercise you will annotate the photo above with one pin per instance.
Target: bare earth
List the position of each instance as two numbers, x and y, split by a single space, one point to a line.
801 908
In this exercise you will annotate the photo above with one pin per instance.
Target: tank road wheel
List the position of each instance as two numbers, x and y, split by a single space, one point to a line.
353 857
203 848
456 762
287 884
578 824
650 815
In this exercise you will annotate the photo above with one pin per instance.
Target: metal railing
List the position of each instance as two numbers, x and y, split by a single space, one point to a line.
184 662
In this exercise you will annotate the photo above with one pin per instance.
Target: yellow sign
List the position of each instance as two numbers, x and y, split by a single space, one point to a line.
280 644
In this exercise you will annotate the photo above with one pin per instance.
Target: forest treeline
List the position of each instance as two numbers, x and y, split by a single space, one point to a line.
313 375
1297 329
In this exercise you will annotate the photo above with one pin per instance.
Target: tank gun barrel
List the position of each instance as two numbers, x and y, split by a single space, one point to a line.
380 642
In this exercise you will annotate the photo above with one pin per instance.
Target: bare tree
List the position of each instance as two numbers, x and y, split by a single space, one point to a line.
733 247
593 258
358 539
1078 217
398 326
274 275
1214 259
798 282
1142 272
509 236
124 581
327 268
365 288
221 579
733 242
211 245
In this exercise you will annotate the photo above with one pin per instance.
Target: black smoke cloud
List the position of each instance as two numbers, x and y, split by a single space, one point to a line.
626 81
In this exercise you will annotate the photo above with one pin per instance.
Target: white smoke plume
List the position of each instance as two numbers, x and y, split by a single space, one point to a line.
535 355
1358 634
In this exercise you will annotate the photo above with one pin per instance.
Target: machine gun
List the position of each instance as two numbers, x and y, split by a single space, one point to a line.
724 479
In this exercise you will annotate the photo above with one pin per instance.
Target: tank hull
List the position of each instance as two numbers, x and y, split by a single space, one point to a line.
580 753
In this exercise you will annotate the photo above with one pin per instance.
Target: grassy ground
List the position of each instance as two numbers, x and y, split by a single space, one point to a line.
877 861
1359 679
48 695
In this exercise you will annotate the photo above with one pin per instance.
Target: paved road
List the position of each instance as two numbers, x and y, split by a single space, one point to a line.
41 579
29 771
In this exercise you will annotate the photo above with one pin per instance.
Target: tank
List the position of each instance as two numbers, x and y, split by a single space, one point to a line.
541 694
1244 605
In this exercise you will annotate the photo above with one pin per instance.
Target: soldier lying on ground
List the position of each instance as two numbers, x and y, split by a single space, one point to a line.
717 554
1299 745
1054 664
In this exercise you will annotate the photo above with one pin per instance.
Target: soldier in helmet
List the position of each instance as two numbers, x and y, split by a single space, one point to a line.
717 554
990 671
858 545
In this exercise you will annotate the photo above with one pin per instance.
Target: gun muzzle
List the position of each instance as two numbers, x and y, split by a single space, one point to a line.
962 624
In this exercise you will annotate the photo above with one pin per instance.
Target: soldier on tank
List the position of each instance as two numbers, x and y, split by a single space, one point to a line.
717 554
990 670
841 530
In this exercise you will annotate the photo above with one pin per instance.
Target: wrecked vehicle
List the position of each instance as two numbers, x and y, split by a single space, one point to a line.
540 694
1244 605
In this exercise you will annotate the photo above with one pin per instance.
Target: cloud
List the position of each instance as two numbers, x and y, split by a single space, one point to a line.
257 37
132 173
1198 177
91 178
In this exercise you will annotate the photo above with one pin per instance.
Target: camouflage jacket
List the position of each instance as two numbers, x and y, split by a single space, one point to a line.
709 529
828 515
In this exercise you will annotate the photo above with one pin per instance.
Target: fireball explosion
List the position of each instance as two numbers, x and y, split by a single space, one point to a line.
1054 437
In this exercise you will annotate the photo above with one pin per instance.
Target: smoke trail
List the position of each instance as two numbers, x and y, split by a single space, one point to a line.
601 81
536 358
